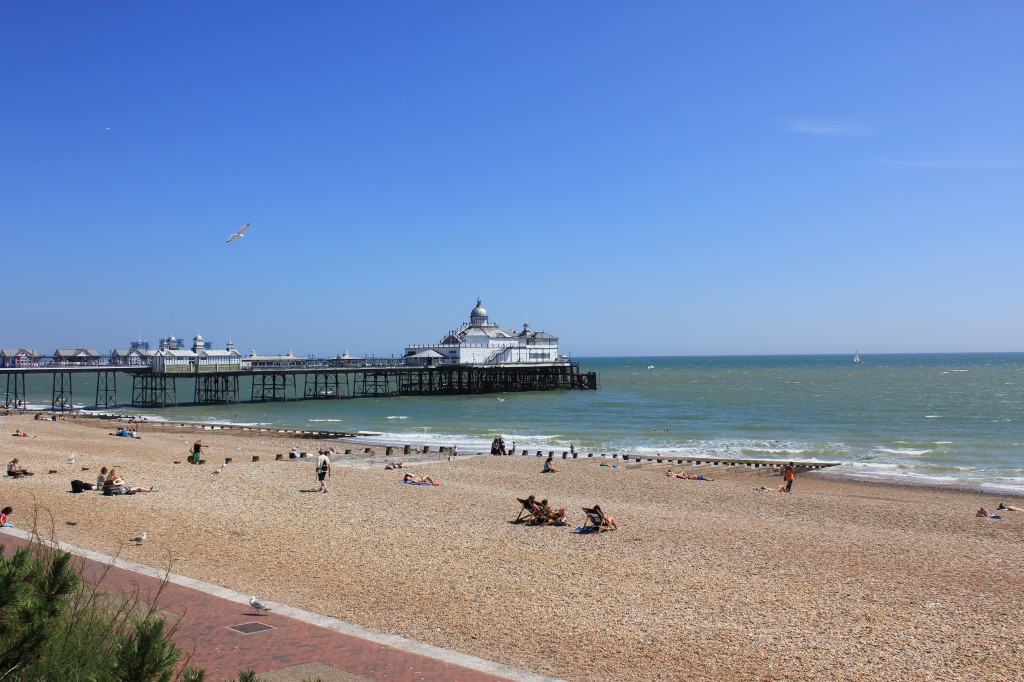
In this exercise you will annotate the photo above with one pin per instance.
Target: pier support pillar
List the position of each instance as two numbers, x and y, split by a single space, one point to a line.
62 398
15 394
106 388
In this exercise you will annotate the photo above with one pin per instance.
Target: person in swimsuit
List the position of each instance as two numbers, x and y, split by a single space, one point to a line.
413 478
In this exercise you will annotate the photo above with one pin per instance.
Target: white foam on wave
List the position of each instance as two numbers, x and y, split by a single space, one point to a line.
902 452
323 420
933 416
397 416
955 476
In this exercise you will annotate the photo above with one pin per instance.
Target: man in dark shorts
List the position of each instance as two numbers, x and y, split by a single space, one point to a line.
789 475
323 469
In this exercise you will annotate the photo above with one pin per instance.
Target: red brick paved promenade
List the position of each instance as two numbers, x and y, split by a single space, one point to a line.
296 645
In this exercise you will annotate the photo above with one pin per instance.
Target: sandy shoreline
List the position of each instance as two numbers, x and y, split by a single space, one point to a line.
704 580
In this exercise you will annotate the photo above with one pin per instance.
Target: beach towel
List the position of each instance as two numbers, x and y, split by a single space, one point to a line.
583 530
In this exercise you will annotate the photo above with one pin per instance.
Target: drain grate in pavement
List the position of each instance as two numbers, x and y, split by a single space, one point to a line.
249 628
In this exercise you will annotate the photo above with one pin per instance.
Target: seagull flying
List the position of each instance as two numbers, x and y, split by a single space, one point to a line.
258 605
238 234
139 539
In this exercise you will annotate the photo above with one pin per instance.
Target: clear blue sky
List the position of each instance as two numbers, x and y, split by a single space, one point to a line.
637 178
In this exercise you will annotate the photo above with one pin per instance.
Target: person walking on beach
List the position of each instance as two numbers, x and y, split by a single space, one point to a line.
197 452
323 469
789 475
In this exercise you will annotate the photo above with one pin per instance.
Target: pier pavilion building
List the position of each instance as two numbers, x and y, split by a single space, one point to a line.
481 342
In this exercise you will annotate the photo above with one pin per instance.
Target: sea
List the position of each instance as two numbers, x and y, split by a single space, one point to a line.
940 419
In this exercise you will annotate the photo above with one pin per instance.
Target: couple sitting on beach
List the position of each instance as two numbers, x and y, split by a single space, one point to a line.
534 513
688 477
982 512
113 484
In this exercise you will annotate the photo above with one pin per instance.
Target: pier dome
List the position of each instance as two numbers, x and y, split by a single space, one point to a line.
478 316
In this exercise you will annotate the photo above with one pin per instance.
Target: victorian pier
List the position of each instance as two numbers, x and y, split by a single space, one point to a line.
210 385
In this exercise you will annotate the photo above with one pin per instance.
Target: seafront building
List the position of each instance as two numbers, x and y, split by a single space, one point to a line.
481 342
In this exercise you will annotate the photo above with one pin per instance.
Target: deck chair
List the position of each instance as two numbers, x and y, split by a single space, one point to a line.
596 521
528 512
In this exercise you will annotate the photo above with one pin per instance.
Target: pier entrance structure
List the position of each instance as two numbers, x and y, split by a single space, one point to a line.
482 342
312 381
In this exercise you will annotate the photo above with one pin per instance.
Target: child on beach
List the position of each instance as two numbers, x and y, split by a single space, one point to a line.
4 523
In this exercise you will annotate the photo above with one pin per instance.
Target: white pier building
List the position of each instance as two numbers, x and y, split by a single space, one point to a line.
481 342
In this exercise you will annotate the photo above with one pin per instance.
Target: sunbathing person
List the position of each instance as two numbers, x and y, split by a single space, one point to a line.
413 478
780 489
985 512
688 477
608 519
545 514
1008 507
397 465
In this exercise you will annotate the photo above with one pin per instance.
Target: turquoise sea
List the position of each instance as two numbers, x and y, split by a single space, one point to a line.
947 419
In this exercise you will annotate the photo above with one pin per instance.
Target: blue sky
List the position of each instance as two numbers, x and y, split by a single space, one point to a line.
649 178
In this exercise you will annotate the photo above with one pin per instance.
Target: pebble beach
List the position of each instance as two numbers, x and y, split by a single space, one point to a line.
703 580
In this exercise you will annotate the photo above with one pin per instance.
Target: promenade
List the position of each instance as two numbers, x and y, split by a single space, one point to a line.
222 633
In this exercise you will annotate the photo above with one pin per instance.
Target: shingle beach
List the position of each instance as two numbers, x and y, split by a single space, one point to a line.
840 580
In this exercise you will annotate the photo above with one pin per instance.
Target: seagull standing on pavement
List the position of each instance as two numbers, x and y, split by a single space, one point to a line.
139 539
258 605
238 234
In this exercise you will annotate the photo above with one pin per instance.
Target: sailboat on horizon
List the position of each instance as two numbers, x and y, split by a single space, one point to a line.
856 357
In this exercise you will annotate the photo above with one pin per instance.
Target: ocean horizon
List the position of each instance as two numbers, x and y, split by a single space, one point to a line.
948 419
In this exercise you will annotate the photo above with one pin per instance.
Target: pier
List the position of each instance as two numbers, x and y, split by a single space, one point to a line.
313 381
